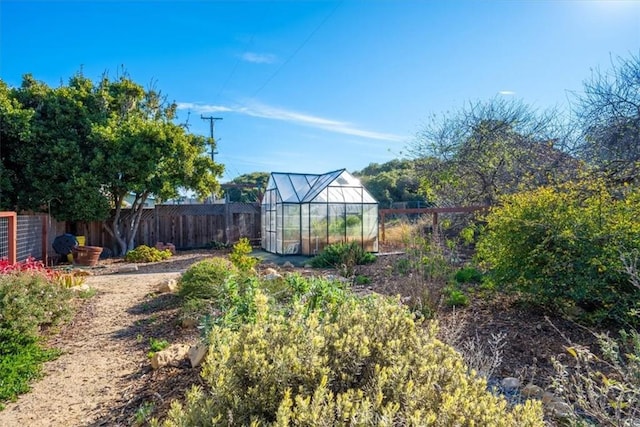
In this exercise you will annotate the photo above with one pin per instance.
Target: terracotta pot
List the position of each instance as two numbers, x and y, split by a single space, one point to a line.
86 255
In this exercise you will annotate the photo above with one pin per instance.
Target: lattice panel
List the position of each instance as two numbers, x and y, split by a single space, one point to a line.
4 238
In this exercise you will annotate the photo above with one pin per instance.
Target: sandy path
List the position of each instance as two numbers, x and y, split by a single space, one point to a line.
82 385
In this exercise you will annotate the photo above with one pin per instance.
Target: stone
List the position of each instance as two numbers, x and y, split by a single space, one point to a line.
560 409
271 274
510 384
532 391
170 356
288 264
128 269
168 286
81 288
197 354
548 397
189 322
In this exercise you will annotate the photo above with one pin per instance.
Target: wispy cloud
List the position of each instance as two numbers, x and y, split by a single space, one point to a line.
507 92
258 58
303 119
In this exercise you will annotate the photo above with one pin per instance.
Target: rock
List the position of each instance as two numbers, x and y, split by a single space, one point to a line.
548 397
560 409
271 274
168 286
170 356
189 322
532 391
308 266
288 264
197 353
82 288
127 269
510 384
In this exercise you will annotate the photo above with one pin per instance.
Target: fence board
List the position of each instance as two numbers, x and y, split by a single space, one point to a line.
186 226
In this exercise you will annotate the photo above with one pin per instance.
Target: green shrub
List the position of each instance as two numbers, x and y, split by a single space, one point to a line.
357 363
455 297
362 280
468 275
207 279
21 359
216 245
144 253
30 301
344 256
240 256
563 246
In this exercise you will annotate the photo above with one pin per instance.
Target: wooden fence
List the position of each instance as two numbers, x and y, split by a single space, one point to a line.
186 226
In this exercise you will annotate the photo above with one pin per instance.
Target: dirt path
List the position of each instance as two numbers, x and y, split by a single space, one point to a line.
95 373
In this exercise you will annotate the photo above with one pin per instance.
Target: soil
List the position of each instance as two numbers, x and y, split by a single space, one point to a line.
104 378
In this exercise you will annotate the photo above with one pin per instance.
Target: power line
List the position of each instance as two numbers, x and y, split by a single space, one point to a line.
295 52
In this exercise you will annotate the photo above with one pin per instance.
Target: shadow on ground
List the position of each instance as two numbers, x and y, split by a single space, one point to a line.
270 258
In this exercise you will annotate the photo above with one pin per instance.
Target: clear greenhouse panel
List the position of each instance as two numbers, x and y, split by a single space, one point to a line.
303 213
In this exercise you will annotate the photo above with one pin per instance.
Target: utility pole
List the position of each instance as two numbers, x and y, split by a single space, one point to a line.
213 141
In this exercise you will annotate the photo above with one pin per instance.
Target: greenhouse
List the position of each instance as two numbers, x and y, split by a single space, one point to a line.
302 213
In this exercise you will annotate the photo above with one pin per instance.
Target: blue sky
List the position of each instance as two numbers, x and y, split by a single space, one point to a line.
315 86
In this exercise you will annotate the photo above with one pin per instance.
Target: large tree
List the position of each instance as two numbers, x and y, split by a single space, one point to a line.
394 181
609 113
490 148
84 147
247 188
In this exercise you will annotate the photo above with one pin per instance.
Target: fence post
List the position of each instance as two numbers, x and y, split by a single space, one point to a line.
45 240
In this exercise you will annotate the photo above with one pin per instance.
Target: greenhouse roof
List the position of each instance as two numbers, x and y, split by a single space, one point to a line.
338 186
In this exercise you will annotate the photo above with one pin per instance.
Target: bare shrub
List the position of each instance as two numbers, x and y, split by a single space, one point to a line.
603 389
481 356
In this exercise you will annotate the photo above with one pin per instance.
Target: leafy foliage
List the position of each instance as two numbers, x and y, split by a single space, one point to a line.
365 363
207 279
21 359
240 256
468 275
344 256
491 148
29 301
102 142
393 181
562 247
144 253
247 188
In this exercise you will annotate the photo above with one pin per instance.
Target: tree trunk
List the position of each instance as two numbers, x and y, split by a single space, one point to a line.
124 226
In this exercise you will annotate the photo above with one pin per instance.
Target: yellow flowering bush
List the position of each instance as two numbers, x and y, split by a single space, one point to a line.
144 253
564 246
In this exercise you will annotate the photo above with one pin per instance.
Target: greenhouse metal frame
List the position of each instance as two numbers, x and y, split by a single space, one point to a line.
303 213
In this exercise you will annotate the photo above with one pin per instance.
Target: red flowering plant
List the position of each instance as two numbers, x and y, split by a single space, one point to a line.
30 265
34 266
